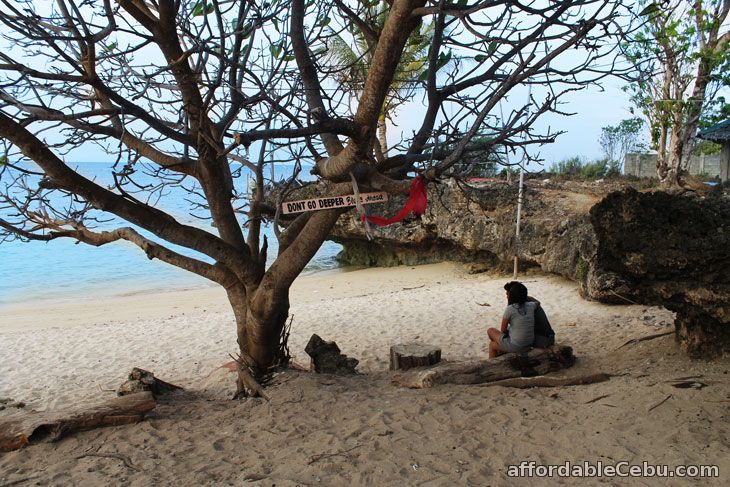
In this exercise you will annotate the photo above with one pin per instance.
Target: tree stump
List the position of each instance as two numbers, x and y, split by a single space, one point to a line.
328 359
405 356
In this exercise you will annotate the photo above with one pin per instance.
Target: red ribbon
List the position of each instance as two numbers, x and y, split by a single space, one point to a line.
416 204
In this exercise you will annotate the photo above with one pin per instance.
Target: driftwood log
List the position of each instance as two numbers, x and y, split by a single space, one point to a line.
140 380
18 431
406 356
539 361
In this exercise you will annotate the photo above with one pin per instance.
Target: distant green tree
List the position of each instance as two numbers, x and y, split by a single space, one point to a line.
483 168
578 167
681 58
617 141
480 163
568 167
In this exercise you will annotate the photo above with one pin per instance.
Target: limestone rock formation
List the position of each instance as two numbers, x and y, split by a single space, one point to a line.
625 246
468 224
673 251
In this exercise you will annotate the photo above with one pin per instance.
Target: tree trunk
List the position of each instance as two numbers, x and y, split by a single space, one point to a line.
260 322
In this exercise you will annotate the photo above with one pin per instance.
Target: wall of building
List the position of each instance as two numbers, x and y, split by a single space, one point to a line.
644 165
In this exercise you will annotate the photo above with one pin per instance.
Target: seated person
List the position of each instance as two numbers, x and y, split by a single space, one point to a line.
517 331
544 334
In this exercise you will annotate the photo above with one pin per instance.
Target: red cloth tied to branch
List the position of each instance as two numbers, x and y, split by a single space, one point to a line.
416 204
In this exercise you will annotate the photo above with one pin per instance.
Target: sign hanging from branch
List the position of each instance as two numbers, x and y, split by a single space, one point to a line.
332 202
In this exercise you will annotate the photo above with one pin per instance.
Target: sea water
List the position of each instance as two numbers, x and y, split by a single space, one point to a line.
63 269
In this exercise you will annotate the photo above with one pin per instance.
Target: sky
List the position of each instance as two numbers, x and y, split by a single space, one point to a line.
593 110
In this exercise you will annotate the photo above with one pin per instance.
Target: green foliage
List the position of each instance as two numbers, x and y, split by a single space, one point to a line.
706 148
705 176
617 141
508 172
352 57
202 8
568 167
481 163
578 167
716 111
674 52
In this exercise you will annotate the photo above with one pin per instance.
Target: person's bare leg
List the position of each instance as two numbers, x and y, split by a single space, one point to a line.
494 350
494 334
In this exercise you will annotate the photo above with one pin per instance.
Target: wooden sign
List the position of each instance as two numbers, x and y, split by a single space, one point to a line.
332 202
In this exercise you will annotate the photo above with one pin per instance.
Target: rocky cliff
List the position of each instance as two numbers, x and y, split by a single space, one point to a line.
666 250
626 246
477 224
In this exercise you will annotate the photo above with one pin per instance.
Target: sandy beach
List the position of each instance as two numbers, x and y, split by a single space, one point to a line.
360 430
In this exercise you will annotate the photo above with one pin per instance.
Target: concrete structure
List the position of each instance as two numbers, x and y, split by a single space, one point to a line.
644 165
720 134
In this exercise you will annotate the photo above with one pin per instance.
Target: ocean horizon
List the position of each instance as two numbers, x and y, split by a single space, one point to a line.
63 269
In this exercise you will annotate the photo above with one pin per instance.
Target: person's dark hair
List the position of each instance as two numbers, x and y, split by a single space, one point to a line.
516 293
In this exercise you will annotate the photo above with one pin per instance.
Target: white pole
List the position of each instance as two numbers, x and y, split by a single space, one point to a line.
519 191
519 213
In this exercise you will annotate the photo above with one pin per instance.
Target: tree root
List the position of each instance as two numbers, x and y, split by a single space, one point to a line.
246 385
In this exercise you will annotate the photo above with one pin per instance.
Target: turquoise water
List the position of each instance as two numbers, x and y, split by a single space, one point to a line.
62 269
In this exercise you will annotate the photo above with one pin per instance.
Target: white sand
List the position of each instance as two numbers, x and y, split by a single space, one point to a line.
380 435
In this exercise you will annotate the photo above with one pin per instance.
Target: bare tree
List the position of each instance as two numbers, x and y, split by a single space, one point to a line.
182 92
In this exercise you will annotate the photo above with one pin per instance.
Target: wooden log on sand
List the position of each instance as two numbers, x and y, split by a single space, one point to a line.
548 381
18 431
539 361
406 356
140 380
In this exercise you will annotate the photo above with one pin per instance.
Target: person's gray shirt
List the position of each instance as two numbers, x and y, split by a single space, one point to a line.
521 323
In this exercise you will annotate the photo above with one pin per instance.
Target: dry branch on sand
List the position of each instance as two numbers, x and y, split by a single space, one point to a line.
20 430
646 338
546 381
